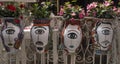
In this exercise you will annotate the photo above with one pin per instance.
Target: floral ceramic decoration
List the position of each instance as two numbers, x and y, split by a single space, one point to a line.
102 35
71 33
40 29
12 31
102 31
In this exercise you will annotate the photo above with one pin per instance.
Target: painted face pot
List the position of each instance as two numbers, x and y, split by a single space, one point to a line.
72 35
11 34
103 35
40 34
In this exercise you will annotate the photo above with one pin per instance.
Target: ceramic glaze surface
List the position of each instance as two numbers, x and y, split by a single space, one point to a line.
11 35
104 36
72 37
39 35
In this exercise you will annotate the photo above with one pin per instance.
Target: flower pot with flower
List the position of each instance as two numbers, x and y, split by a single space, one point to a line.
40 31
103 27
11 31
72 32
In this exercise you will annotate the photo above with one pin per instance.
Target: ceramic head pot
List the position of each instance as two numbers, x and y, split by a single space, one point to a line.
11 34
103 35
72 36
39 34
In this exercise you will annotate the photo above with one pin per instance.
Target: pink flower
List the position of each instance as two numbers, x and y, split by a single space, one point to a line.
61 11
86 14
81 15
83 11
69 6
72 20
73 14
92 5
94 13
106 3
114 9
118 11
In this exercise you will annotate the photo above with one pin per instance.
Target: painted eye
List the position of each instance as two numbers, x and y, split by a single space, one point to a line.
39 31
10 31
106 32
72 35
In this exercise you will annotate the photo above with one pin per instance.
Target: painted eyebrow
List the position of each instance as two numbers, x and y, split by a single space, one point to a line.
9 27
73 30
106 27
40 27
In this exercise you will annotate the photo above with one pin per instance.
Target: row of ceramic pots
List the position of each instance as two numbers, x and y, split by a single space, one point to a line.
72 34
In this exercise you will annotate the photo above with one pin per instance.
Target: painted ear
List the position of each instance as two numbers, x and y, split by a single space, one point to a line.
17 44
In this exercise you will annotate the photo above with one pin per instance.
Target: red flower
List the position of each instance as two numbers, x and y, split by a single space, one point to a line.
1 3
21 17
22 6
11 8
17 21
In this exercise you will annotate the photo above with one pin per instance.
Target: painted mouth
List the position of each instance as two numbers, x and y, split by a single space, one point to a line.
39 48
71 46
106 43
10 44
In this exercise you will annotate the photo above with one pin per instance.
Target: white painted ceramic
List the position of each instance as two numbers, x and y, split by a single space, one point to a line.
72 37
39 35
11 35
103 35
